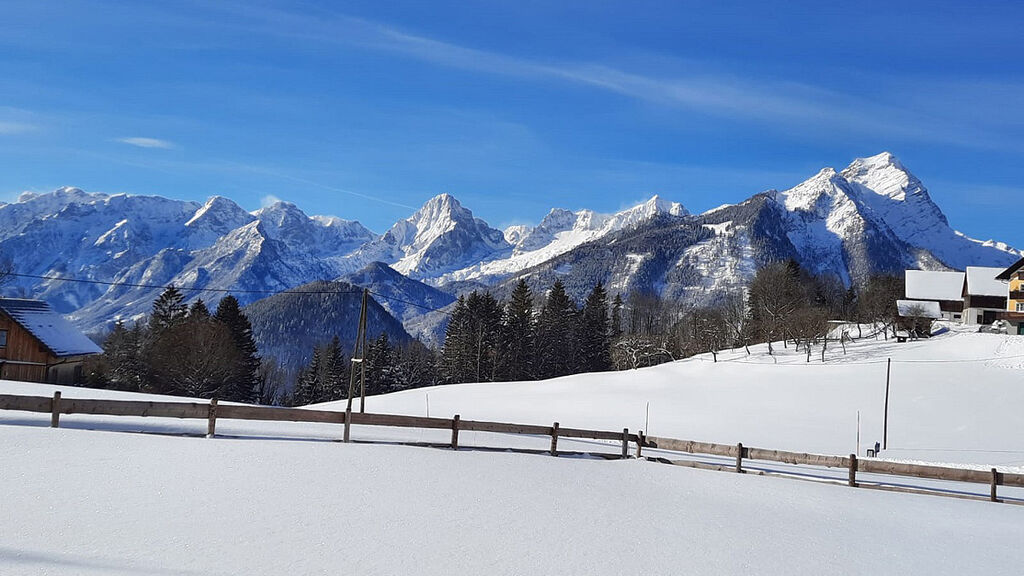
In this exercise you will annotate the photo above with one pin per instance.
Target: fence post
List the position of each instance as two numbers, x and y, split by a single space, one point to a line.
739 458
995 482
211 427
554 439
639 443
455 432
853 470
625 443
348 423
55 410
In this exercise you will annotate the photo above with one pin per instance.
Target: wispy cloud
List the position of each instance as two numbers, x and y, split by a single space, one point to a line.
142 142
269 200
12 128
777 102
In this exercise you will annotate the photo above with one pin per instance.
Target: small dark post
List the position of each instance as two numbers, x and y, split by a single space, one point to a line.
739 458
853 470
625 443
639 444
995 482
554 439
455 432
55 410
348 423
211 427
885 419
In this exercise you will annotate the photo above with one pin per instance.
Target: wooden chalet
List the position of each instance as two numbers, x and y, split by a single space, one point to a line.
39 345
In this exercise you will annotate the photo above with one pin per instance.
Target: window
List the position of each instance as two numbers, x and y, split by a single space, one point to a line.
3 338
1020 308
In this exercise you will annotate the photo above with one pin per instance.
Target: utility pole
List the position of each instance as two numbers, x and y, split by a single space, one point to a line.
359 359
885 419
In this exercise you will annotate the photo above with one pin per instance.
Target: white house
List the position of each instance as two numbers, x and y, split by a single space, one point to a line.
984 295
945 288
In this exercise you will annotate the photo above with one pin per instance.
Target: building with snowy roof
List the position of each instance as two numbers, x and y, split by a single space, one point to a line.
39 345
984 295
946 288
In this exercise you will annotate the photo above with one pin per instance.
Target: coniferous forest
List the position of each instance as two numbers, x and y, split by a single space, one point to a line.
191 351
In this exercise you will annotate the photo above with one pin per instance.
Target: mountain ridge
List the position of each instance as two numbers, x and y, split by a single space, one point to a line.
872 216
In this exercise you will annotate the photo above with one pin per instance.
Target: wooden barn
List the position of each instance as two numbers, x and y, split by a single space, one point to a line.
39 345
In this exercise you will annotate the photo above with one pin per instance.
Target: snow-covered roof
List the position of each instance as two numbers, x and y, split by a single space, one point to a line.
919 309
50 328
981 281
940 286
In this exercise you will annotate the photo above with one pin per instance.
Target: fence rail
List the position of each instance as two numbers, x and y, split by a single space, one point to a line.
56 406
212 411
992 477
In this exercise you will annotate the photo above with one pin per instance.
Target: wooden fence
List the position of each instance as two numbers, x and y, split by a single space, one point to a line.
212 411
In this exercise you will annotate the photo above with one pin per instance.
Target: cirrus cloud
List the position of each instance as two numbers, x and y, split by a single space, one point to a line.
142 142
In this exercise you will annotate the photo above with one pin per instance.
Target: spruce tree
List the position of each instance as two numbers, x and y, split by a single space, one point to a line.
307 383
198 311
518 334
556 334
456 354
168 310
245 379
595 333
616 327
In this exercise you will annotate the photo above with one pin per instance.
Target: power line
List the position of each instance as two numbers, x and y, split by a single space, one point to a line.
221 290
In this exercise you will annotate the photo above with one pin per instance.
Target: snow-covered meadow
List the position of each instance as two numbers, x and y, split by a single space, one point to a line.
273 498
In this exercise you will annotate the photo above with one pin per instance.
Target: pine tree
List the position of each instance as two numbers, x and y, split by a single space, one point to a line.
595 333
245 379
518 335
168 310
556 333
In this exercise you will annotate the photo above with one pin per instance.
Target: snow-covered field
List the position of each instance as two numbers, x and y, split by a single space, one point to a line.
275 498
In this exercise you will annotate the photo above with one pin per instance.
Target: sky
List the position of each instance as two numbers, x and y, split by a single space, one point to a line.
365 110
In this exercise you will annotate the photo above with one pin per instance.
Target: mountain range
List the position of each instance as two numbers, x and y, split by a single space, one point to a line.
873 216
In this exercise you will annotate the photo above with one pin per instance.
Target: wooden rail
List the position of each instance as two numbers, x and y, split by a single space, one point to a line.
855 465
214 411
56 406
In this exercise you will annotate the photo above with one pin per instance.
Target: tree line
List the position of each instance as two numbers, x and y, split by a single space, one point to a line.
187 350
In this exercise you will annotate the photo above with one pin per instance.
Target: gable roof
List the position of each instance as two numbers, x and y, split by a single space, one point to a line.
981 281
50 328
1009 271
919 309
941 286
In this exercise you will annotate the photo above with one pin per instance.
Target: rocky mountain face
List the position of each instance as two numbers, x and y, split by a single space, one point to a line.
873 216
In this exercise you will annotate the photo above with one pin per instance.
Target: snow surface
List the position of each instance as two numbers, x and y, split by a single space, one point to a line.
278 498
931 285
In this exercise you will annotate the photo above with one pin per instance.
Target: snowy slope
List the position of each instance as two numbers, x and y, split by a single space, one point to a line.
260 500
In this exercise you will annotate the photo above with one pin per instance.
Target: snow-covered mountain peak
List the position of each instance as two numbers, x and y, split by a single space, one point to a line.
885 175
220 213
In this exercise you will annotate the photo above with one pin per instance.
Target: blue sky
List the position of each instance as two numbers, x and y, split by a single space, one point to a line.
366 109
